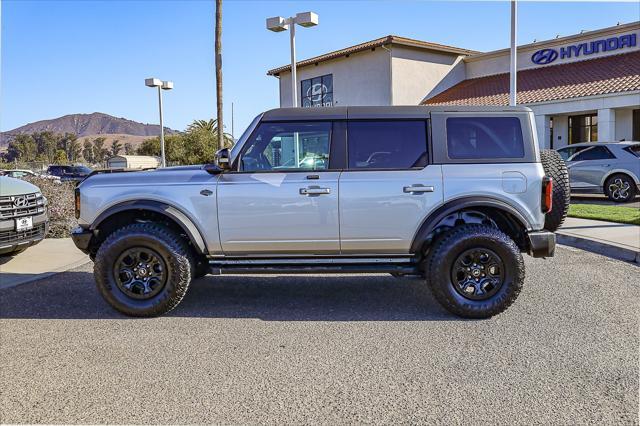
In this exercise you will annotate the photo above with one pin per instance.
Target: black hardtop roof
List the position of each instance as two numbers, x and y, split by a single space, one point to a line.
377 112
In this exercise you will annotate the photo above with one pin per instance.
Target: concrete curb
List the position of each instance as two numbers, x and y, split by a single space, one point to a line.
41 276
613 251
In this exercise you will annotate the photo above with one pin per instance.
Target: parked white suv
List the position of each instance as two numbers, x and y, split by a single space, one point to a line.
454 195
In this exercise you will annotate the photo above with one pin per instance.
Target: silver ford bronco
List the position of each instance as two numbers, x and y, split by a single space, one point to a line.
451 194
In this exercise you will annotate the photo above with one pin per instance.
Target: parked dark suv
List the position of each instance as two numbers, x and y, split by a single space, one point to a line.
69 173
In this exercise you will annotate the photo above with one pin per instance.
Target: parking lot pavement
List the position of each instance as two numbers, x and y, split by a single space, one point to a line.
327 349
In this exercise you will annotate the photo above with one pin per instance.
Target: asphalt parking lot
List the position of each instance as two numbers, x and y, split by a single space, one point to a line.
327 349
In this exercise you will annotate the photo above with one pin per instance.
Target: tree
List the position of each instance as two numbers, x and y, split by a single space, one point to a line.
100 153
218 53
87 152
60 157
128 149
210 125
23 148
116 147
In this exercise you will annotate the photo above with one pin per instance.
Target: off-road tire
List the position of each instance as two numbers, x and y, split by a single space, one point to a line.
631 193
440 262
173 250
555 167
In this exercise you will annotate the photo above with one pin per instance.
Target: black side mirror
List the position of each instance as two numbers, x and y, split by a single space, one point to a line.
222 159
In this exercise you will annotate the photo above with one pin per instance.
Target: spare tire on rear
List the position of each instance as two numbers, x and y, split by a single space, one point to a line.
555 167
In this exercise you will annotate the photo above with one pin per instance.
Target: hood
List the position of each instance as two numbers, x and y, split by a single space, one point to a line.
11 186
169 175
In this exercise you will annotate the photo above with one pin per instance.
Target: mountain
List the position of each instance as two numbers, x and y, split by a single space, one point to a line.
87 125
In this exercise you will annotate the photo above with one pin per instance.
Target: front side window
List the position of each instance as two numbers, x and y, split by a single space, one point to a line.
317 91
593 153
484 138
398 144
287 146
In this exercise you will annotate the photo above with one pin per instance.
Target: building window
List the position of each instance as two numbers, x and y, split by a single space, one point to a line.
583 128
636 125
317 91
551 133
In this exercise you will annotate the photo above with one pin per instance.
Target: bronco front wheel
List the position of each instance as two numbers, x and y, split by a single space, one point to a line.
475 271
143 269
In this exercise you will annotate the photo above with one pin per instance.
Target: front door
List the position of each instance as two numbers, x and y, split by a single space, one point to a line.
283 198
388 188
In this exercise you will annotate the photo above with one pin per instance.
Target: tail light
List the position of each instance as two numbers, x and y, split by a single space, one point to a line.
77 202
547 194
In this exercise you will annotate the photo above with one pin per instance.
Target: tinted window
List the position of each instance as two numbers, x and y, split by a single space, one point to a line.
567 153
593 153
484 137
633 149
288 146
387 144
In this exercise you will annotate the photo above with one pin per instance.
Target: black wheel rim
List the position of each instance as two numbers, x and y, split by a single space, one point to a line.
140 273
478 274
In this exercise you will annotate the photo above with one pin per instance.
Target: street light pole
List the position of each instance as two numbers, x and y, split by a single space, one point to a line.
161 85
162 156
294 78
513 66
277 24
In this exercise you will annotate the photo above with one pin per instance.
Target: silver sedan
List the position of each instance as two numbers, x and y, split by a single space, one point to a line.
612 168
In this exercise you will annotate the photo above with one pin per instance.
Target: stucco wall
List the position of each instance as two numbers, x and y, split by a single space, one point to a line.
624 124
498 62
361 79
417 74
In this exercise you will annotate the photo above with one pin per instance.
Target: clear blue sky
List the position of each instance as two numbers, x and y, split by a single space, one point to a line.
63 57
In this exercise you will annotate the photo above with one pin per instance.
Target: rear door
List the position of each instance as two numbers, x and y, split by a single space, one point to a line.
588 167
283 199
388 188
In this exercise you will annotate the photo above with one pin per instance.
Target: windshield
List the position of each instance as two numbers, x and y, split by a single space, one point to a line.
236 148
81 170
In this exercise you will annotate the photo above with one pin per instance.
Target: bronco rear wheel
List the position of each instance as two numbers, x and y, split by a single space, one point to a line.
555 167
143 269
475 271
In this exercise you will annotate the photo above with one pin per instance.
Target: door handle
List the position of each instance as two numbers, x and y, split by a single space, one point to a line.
314 190
414 189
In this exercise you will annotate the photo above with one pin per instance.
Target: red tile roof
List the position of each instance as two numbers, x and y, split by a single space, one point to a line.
612 74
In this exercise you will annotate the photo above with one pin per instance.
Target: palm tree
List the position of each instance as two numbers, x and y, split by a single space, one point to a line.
210 125
218 53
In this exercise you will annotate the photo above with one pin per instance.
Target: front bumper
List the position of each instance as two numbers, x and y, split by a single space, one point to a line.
82 238
542 243
11 240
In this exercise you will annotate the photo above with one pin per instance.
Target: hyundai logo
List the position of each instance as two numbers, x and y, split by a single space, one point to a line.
544 56
20 202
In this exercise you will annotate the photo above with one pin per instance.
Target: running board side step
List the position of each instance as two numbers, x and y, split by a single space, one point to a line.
403 266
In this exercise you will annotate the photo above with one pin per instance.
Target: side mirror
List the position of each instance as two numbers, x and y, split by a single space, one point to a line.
222 159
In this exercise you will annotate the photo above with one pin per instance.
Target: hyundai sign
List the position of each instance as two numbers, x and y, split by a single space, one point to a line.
547 56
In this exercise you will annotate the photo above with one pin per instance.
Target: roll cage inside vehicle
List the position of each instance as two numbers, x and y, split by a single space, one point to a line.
454 195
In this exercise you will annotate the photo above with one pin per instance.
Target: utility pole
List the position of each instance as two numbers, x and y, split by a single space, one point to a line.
218 53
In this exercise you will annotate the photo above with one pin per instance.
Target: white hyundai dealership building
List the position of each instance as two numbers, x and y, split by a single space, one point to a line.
584 87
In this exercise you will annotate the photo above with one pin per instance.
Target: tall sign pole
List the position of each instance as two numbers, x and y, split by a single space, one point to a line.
513 68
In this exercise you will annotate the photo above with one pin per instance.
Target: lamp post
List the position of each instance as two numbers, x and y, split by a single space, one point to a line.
161 85
278 24
513 65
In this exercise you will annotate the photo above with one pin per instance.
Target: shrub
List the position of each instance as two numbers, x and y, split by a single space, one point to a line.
61 205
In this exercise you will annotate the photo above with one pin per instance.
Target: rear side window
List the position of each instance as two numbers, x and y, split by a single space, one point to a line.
633 149
397 144
593 153
484 137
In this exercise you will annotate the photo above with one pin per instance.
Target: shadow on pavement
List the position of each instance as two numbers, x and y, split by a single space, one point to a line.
72 295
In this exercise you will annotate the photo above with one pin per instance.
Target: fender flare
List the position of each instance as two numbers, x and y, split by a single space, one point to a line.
622 172
165 209
429 224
